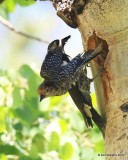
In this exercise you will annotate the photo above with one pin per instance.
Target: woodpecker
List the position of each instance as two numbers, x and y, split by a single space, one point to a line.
52 68
80 93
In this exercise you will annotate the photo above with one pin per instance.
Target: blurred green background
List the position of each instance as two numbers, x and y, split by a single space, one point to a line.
29 130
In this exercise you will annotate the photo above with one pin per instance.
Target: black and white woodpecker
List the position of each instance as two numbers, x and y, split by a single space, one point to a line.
79 91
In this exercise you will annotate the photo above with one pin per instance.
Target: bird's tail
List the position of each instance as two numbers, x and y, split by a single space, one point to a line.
98 120
87 119
77 97
91 114
94 114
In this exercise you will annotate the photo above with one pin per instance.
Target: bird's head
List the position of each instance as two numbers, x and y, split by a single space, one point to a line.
47 89
53 45
56 43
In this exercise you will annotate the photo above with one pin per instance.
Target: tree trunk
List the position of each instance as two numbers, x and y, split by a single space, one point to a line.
109 19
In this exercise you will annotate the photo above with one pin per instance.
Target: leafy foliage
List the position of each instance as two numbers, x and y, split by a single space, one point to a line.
8 6
53 129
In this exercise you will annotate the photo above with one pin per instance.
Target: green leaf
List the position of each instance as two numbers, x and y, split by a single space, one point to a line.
29 74
63 125
29 158
26 71
66 151
39 143
27 114
17 101
32 104
18 126
24 2
3 157
8 6
19 135
34 151
33 85
2 119
55 101
8 150
54 141
99 146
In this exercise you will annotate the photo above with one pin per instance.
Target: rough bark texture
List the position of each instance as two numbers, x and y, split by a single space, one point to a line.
109 19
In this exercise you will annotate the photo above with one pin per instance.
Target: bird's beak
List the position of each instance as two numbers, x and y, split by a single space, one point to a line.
41 97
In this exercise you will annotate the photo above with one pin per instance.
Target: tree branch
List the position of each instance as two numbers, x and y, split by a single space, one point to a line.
10 26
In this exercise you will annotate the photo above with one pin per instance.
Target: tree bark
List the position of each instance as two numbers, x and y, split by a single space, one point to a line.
109 19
